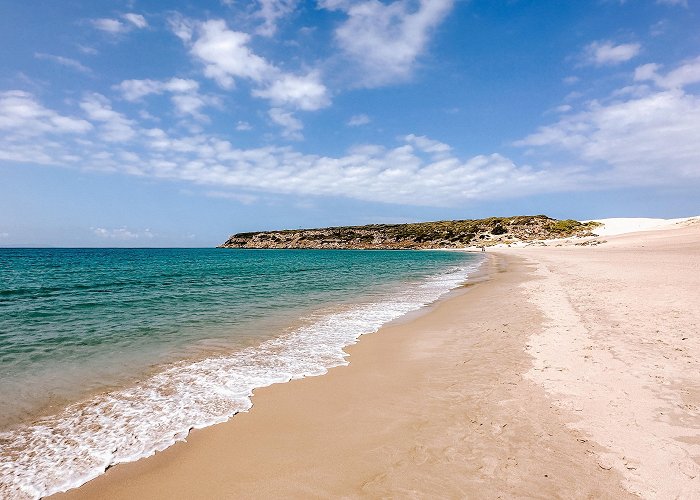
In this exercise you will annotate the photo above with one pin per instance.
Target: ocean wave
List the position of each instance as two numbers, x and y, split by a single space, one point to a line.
63 451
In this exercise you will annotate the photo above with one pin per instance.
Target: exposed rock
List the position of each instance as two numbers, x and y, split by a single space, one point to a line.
590 242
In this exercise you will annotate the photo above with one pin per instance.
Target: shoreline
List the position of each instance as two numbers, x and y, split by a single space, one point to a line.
86 438
398 420
569 372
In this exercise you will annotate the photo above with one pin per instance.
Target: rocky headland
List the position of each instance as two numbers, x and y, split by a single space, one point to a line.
420 235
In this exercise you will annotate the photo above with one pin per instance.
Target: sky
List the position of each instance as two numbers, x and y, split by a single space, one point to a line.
145 123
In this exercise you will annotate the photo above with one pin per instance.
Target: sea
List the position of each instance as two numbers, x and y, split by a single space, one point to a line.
109 355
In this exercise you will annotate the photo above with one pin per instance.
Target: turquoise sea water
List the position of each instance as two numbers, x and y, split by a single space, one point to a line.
107 355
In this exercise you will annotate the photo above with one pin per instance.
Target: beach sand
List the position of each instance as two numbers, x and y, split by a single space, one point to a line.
570 372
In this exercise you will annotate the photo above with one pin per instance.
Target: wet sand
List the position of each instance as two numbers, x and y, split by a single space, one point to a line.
572 372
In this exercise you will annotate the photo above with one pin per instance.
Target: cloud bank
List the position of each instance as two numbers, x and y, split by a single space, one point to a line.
647 136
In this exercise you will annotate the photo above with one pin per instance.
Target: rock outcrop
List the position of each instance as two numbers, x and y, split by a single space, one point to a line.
420 235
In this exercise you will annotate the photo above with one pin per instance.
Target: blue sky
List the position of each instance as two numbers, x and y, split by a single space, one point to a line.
138 124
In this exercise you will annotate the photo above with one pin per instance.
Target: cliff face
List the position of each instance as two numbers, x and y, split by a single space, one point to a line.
441 234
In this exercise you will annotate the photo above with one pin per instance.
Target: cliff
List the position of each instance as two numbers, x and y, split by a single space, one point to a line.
420 235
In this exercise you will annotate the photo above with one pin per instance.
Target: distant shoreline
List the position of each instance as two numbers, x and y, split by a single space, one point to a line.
420 235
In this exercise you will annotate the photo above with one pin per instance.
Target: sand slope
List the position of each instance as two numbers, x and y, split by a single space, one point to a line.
619 225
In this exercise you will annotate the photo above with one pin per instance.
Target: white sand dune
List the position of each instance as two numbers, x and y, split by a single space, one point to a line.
624 225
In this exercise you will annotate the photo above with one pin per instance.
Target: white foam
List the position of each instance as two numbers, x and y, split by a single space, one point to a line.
64 451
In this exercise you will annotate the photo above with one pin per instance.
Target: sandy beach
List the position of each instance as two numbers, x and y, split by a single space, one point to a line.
568 371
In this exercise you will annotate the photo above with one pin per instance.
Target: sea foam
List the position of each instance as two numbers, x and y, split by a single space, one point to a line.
66 450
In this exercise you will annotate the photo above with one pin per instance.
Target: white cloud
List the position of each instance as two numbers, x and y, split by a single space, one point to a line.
302 92
85 49
190 104
373 173
685 74
270 12
112 26
21 114
63 61
114 127
180 85
607 53
359 120
226 56
291 126
133 90
114 234
117 27
418 171
426 145
403 174
243 126
184 95
4 235
385 40
182 27
643 136
136 19
573 96
121 233
146 116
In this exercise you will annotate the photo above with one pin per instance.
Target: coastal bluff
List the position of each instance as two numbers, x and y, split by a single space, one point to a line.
419 235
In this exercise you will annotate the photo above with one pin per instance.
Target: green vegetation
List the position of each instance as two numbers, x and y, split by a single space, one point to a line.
570 226
438 234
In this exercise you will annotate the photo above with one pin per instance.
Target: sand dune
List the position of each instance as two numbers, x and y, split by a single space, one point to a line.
618 226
